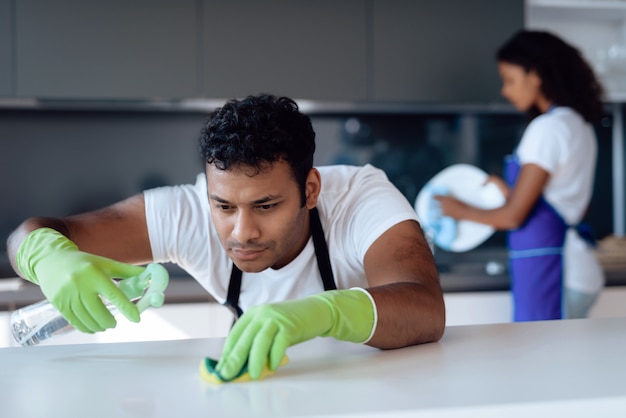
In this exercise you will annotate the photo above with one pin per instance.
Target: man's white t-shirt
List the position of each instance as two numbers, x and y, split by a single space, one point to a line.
564 144
356 206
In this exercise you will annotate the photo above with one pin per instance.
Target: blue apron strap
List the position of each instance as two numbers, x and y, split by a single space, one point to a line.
586 233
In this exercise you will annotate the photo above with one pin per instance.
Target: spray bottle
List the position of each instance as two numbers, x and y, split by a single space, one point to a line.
41 321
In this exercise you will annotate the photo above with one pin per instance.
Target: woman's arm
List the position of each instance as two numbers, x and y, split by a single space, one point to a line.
529 187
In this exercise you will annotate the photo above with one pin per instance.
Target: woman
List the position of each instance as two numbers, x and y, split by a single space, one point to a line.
549 179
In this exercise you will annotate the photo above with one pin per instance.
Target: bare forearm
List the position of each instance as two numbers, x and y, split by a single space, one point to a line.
520 201
502 218
404 284
118 232
408 314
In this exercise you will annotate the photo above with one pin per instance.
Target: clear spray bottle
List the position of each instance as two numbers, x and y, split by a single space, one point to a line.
41 321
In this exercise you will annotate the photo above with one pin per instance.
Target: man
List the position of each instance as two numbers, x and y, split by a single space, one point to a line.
265 233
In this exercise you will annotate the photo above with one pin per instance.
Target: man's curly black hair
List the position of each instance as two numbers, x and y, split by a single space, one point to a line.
258 131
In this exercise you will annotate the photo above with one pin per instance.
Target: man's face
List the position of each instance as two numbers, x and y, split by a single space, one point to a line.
258 216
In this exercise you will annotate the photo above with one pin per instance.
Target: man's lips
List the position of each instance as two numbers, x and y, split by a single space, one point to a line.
247 253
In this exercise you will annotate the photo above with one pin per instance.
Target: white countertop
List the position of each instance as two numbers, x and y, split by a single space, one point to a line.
568 368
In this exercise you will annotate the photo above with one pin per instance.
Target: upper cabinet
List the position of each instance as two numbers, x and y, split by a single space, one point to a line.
597 28
440 51
106 49
6 48
327 50
303 49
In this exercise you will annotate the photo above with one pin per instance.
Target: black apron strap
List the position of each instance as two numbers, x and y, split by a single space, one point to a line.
323 264
321 251
234 288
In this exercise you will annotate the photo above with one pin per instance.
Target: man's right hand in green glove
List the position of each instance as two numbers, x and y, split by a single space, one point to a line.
74 281
262 335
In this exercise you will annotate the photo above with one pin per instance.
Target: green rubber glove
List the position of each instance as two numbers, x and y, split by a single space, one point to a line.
73 281
264 332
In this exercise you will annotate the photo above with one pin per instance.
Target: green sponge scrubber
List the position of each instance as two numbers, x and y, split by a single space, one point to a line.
208 372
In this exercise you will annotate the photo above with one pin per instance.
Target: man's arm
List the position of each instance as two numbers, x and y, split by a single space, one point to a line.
408 309
404 283
118 232
75 259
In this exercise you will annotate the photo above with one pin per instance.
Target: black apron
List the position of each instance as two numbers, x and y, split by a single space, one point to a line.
323 264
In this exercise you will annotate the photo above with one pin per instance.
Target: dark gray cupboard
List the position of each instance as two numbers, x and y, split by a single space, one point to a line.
349 50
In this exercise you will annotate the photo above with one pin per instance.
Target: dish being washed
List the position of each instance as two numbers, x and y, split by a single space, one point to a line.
466 183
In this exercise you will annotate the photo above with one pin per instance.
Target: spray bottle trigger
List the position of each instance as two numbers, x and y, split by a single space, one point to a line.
149 287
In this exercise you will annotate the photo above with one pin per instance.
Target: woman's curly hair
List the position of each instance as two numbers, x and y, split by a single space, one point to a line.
566 77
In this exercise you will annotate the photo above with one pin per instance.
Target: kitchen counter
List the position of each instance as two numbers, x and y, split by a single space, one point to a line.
16 292
571 368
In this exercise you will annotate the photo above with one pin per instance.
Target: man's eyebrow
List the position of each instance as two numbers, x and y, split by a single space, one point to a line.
218 199
266 199
260 201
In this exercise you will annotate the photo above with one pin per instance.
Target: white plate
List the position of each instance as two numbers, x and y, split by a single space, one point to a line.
466 183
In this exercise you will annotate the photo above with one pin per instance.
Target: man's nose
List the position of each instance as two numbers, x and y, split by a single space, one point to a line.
245 228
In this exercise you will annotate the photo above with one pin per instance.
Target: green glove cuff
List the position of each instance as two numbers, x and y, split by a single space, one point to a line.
354 315
37 245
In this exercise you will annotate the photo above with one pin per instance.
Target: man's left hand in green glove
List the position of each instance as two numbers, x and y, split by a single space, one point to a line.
262 335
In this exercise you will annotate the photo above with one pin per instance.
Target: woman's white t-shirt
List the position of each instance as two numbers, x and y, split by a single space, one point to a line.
356 206
564 144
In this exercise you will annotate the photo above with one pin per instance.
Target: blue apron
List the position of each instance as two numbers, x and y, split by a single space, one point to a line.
536 259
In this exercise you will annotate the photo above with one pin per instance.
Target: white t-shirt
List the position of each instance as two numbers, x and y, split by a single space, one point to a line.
356 206
564 144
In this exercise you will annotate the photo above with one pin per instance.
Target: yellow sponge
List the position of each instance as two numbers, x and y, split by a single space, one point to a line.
208 372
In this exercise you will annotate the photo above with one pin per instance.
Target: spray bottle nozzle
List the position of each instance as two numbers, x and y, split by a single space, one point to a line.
149 287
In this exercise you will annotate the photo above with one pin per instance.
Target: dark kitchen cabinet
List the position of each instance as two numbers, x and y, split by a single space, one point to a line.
325 50
6 48
106 49
440 51
303 49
